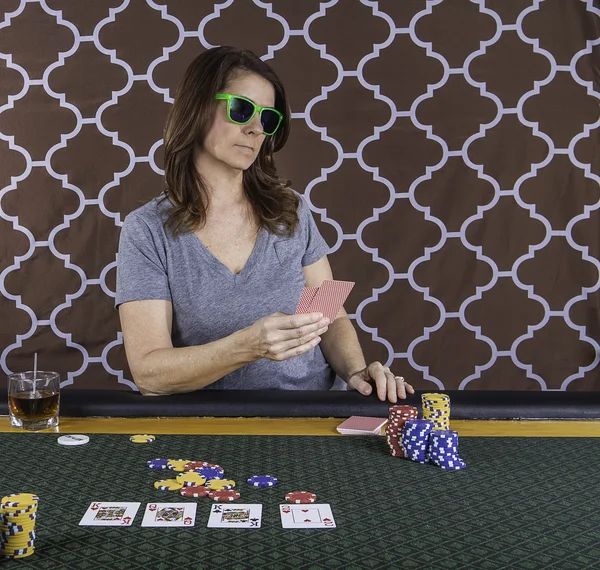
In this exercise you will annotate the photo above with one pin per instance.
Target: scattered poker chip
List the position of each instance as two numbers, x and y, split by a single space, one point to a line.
300 497
200 491
157 463
225 496
168 485
73 439
210 473
143 438
220 484
177 465
262 481
195 465
190 479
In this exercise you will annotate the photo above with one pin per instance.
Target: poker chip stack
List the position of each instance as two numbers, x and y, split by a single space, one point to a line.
415 440
17 525
397 417
436 407
443 450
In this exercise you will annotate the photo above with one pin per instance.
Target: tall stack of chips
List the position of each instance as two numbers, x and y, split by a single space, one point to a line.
17 525
398 416
436 407
415 440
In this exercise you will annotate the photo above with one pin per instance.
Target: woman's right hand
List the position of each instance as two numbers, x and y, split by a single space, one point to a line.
280 336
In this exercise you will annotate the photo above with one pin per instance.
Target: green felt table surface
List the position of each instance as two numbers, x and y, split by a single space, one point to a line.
522 503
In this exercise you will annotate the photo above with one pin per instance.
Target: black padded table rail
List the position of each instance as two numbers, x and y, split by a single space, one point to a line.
465 404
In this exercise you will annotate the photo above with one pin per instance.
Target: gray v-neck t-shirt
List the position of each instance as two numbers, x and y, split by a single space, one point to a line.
210 302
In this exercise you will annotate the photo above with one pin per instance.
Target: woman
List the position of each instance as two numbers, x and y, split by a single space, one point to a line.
210 272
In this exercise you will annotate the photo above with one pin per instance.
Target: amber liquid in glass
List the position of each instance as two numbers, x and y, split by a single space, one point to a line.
33 406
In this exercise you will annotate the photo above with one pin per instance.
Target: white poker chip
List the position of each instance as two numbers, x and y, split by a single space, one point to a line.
73 439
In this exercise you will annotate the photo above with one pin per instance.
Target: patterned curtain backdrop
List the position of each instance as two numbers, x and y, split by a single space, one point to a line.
449 150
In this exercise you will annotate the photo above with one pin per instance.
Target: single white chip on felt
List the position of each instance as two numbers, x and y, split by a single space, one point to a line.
73 439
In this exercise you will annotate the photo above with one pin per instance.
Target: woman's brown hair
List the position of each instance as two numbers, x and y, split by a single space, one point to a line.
274 202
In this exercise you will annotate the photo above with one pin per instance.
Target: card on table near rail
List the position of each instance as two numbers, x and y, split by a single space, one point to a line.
306 516
328 299
361 425
235 516
110 514
170 514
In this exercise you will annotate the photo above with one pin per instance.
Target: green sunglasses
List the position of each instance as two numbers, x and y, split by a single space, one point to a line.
240 111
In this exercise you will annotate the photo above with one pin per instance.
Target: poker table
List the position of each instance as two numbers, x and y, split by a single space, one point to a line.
527 499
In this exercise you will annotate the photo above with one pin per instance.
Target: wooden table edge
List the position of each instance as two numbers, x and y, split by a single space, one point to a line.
303 426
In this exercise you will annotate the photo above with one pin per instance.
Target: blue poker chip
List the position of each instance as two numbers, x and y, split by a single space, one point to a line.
158 463
210 473
262 481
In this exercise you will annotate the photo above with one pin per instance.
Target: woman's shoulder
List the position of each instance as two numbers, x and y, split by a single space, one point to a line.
153 213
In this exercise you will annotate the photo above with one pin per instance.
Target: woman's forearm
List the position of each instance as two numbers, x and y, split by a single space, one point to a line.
341 348
173 370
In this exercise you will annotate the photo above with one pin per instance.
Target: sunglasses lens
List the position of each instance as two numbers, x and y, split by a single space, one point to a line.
240 110
270 121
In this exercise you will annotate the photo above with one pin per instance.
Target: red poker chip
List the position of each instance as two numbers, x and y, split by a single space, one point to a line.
194 491
300 497
225 496
193 465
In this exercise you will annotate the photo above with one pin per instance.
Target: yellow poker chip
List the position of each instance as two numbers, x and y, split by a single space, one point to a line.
177 465
168 485
17 499
144 438
190 479
220 484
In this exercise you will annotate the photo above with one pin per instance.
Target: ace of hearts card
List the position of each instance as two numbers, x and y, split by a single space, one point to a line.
306 516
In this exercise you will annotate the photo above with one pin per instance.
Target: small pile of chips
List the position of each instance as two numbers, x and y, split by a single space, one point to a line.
196 479
203 479
398 416
17 525
436 407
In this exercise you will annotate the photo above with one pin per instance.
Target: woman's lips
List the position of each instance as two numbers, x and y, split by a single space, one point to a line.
244 147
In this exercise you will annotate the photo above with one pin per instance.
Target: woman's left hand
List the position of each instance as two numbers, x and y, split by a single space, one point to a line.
386 383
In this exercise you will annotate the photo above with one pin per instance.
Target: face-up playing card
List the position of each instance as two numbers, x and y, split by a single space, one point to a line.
170 514
110 514
306 298
330 298
306 516
235 516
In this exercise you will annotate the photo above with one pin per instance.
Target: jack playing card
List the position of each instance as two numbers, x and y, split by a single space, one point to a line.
170 514
306 516
235 516
110 514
